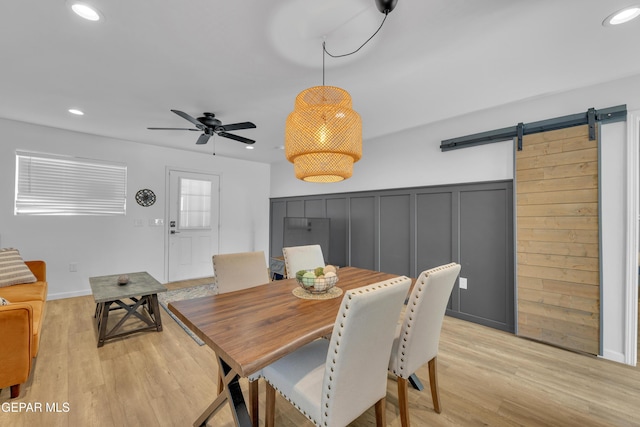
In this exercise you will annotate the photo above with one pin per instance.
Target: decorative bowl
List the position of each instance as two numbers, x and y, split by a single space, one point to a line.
317 285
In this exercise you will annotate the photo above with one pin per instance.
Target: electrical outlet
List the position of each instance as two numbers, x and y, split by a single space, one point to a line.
463 283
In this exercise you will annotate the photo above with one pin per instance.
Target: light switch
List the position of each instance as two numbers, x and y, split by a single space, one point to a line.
463 283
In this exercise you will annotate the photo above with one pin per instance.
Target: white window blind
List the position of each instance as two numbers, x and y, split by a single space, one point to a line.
55 185
195 204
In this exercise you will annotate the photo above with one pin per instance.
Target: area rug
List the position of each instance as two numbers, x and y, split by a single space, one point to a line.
164 298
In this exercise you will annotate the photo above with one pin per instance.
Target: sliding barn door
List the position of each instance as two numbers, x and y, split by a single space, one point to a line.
558 264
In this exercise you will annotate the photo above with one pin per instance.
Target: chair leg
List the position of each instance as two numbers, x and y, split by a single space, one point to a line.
381 413
403 401
433 383
253 402
15 391
270 412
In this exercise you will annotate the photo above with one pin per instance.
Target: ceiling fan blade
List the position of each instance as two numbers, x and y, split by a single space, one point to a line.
203 139
238 126
173 129
188 117
236 137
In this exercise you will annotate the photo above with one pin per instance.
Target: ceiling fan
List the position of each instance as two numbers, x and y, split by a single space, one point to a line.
209 125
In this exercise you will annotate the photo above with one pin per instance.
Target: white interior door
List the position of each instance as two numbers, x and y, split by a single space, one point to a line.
193 227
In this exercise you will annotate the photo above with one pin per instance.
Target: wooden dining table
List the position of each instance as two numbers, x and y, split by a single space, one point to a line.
251 328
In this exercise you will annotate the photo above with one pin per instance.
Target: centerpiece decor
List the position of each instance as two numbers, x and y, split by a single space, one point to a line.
319 280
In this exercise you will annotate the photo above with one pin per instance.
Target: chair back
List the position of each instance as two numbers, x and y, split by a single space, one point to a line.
419 335
298 258
356 367
240 271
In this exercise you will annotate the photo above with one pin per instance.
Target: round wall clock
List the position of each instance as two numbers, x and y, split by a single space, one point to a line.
145 197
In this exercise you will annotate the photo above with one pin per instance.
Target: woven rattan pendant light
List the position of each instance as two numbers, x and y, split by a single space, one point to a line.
323 135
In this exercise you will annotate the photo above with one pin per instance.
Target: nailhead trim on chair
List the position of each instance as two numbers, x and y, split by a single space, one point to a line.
348 295
414 297
339 332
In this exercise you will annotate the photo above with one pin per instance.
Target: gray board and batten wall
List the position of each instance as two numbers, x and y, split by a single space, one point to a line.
406 231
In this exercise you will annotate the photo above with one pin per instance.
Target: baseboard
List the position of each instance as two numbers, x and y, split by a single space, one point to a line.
61 295
614 356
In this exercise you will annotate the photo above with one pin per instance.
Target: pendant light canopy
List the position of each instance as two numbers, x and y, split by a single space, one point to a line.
323 135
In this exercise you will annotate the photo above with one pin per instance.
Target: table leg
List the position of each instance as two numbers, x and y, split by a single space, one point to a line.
103 318
415 382
149 314
155 309
232 394
131 310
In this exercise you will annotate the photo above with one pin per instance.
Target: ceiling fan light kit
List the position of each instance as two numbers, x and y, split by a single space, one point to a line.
323 134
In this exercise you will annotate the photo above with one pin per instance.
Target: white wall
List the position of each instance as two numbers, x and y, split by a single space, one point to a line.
412 158
112 245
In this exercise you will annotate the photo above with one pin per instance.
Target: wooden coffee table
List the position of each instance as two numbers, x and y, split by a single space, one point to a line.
141 293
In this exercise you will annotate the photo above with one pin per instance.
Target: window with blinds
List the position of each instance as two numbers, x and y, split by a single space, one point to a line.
195 204
47 184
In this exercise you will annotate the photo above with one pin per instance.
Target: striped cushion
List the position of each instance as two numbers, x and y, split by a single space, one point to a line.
13 270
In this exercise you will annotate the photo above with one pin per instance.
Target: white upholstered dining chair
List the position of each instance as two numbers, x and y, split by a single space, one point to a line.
234 272
418 335
298 258
332 382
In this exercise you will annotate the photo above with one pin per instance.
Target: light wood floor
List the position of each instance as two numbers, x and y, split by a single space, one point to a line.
487 377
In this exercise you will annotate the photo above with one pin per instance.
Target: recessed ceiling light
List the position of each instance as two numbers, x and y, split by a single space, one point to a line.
250 147
85 11
622 16
76 112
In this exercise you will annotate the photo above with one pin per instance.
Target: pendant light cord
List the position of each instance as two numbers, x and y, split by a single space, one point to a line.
324 47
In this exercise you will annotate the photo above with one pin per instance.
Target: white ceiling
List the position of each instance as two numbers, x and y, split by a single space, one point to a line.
246 60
